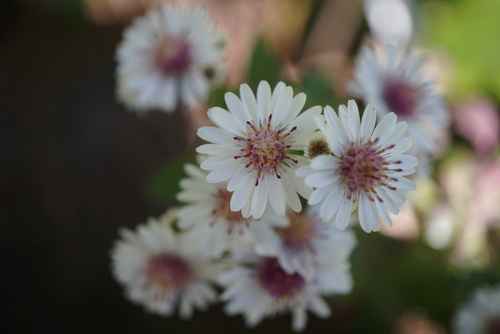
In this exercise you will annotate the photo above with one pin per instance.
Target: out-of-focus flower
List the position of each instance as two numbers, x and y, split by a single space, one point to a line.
259 287
218 228
171 53
481 314
469 211
416 321
161 271
390 20
255 147
478 121
393 80
366 171
299 246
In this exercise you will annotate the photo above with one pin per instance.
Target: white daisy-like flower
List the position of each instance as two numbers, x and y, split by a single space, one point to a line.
394 81
161 271
299 246
366 170
255 148
208 213
172 52
259 287
481 314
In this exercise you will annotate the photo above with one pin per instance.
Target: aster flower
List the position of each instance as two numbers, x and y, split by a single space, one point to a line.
299 246
366 170
161 271
255 148
217 227
170 52
258 287
481 314
394 82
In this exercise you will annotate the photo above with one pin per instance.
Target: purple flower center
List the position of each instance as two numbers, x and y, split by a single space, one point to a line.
168 272
172 57
493 327
277 282
399 97
223 210
265 149
363 168
300 233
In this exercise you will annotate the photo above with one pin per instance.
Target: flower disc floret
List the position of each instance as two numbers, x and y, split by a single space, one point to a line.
277 282
168 272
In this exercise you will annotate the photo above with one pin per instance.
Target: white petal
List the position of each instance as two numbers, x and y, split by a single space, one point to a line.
282 107
368 122
226 121
263 100
277 198
237 109
215 135
259 198
384 127
343 213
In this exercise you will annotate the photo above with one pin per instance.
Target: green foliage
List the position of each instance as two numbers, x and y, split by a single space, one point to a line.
468 30
162 186
263 66
318 91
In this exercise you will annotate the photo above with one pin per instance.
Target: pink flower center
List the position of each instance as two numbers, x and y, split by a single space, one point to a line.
266 149
363 168
277 282
493 327
223 210
300 233
172 57
400 97
168 272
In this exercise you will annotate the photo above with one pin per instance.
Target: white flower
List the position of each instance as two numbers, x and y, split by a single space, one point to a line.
170 52
481 314
160 270
259 287
254 147
366 170
299 246
394 82
218 228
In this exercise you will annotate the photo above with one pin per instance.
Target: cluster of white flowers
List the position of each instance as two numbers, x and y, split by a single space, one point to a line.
244 226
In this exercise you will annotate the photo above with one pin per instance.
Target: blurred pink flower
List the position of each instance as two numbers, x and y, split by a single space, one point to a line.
478 121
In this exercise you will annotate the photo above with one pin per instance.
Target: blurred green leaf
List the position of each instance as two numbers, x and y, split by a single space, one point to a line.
162 185
318 91
468 30
264 66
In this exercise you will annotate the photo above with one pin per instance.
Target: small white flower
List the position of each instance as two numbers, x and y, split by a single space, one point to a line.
161 271
366 170
254 147
481 314
394 82
259 287
300 246
218 228
170 52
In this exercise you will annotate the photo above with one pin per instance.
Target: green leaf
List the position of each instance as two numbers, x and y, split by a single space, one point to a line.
264 66
162 185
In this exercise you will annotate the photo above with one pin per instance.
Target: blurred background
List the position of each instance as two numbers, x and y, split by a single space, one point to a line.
75 165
